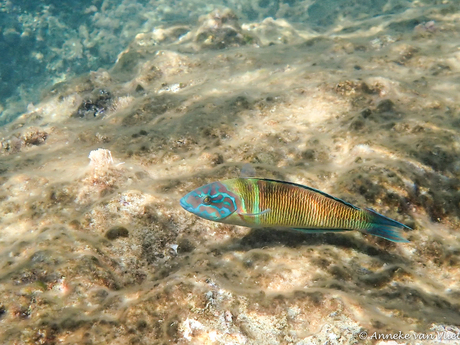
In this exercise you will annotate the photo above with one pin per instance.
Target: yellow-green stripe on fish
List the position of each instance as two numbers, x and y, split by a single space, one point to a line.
268 203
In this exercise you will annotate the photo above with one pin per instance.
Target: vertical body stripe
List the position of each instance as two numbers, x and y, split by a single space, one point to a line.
256 209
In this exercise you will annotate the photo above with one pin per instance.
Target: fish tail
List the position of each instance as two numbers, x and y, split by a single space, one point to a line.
384 227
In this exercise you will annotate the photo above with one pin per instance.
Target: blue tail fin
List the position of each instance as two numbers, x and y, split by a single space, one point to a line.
385 227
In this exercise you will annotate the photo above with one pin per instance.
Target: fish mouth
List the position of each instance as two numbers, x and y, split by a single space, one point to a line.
184 204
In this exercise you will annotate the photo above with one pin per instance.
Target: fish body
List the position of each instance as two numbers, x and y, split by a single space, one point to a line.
255 202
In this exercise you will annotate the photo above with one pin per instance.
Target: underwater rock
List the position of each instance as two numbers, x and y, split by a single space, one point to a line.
274 31
220 29
94 107
168 35
34 136
385 106
383 135
10 35
116 232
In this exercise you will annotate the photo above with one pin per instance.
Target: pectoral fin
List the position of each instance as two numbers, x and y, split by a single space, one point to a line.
254 214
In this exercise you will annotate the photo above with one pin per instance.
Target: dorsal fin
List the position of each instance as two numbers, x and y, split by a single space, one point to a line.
247 170
313 190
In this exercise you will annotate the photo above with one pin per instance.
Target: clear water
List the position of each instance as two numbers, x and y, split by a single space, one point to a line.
356 98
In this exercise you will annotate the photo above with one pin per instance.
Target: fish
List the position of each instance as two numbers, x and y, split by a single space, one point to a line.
266 203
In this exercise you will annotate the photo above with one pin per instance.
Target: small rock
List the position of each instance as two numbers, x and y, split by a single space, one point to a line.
95 106
366 112
116 231
220 29
385 106
74 224
185 246
34 137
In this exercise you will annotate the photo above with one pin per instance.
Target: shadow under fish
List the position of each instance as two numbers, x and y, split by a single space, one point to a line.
266 203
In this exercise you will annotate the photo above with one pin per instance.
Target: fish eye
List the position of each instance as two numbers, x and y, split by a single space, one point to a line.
207 200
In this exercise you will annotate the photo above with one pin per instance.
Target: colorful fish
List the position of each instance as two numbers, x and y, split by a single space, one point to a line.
255 202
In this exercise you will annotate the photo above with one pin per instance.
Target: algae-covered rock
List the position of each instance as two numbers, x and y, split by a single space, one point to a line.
116 232
95 247
220 29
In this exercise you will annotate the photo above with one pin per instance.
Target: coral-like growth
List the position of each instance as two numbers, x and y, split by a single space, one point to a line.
100 159
102 178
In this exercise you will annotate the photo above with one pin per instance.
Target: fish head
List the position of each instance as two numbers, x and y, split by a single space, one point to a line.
214 201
